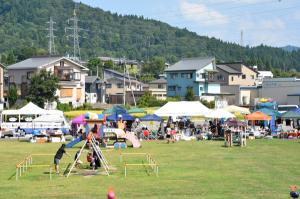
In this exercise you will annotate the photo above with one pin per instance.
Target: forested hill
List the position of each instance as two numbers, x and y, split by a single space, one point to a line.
23 24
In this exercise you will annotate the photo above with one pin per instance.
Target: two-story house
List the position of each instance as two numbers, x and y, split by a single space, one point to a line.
132 66
158 88
194 73
94 89
71 77
238 80
115 90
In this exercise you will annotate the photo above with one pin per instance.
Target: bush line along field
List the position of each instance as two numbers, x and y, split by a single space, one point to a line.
263 169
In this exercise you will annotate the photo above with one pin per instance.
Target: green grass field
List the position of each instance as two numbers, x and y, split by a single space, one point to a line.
263 169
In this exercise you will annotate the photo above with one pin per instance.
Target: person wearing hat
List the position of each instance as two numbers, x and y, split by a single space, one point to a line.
58 156
111 194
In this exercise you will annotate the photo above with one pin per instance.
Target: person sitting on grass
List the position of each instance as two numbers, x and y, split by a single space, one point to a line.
90 158
58 156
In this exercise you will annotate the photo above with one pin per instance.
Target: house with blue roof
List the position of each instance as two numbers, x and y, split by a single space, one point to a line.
196 73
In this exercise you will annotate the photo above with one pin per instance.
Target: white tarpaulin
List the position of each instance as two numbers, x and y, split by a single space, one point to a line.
49 118
220 113
183 108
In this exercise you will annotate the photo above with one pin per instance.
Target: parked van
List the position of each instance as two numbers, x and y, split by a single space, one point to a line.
285 108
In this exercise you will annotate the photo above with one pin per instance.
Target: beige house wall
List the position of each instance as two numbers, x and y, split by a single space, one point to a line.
250 77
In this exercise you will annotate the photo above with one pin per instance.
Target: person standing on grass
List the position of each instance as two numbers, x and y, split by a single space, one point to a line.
58 156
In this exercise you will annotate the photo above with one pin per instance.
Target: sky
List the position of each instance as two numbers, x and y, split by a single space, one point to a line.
269 22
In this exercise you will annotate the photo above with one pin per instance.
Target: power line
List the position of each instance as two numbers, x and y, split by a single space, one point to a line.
51 44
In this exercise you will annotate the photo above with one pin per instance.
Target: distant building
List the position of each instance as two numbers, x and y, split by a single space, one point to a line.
71 77
157 88
282 90
195 73
95 89
132 66
263 75
115 86
235 73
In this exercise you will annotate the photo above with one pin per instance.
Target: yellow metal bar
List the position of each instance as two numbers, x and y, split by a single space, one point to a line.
32 166
134 153
140 164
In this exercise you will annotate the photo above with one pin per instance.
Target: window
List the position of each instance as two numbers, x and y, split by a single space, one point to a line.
77 76
120 85
62 63
11 78
187 75
203 76
201 88
252 76
179 88
171 88
29 74
220 77
173 75
232 78
160 86
243 76
108 85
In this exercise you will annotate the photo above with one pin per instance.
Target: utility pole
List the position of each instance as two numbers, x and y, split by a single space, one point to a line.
51 44
124 90
75 30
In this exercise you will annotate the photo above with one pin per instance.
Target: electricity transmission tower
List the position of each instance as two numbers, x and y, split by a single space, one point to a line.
242 38
51 44
74 33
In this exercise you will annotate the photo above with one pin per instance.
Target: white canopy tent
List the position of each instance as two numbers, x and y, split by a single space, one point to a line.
32 109
220 113
49 118
233 109
183 108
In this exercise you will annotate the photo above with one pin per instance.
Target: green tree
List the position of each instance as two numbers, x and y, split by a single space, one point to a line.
11 58
42 88
95 63
3 59
12 95
155 67
189 96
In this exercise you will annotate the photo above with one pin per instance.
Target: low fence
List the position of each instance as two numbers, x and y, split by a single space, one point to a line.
150 161
27 163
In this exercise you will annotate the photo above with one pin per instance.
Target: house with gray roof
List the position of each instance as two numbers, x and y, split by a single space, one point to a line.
195 73
71 77
235 74
238 81
94 89
157 88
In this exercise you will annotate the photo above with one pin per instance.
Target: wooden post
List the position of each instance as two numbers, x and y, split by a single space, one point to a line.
17 173
50 173
125 170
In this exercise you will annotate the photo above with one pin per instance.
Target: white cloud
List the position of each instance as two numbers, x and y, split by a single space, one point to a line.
296 16
201 14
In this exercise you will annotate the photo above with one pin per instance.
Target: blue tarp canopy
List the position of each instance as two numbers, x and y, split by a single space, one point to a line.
116 117
151 117
269 112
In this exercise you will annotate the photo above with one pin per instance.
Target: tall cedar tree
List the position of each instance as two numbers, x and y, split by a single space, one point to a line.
42 88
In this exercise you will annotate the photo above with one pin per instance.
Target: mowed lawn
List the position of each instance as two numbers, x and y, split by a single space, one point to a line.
263 169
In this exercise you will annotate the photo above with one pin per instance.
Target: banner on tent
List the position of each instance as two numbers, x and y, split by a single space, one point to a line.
220 103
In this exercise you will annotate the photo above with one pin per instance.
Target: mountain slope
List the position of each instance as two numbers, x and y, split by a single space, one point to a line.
290 48
23 24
